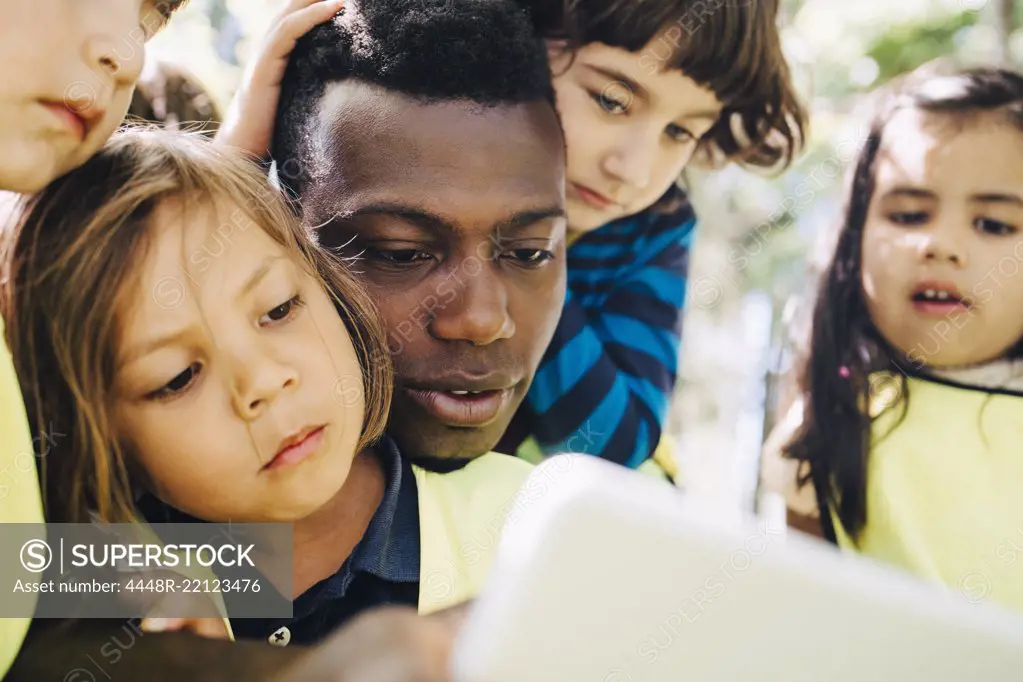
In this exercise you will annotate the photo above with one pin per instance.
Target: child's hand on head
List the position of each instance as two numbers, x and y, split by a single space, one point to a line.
206 623
250 120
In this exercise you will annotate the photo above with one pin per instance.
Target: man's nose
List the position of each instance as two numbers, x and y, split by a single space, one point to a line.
479 314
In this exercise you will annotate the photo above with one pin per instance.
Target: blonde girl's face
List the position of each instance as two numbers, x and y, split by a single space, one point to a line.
942 262
630 129
237 390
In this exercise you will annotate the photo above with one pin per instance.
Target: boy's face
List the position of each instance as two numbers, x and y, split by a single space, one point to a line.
457 214
67 72
630 128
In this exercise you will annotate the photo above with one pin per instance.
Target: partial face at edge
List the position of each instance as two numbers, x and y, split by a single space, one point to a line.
457 214
67 72
630 129
229 353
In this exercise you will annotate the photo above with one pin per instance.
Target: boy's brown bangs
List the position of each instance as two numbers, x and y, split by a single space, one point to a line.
696 37
762 124
699 37
732 36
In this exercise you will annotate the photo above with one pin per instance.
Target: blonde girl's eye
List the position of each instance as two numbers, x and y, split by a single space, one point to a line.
179 384
282 312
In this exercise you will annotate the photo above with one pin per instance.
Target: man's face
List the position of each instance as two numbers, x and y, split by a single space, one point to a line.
458 215
67 72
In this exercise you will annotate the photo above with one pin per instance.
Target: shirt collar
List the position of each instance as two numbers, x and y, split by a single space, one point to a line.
996 375
390 548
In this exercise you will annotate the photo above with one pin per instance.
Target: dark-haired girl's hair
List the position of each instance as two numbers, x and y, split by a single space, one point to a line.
845 347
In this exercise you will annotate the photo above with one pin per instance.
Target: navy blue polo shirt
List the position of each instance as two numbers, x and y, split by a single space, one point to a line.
382 569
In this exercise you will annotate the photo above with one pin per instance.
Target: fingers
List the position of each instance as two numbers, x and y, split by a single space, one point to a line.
212 628
452 617
298 22
290 7
295 5
163 624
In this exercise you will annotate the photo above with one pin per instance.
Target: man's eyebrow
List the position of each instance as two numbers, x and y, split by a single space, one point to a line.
409 214
997 198
527 218
434 223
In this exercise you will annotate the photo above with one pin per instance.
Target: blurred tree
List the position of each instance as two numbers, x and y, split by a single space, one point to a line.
1004 23
228 30
904 47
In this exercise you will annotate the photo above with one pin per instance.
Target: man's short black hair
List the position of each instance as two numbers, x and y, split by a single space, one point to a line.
483 51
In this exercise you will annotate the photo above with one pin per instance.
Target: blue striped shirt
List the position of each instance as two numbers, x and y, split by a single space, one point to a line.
604 384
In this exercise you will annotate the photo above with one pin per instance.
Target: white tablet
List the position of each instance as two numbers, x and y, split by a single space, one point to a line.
606 575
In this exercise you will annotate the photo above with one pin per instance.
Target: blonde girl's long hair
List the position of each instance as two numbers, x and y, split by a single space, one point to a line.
70 260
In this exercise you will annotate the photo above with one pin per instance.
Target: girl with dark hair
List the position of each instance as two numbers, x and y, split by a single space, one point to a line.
642 89
912 388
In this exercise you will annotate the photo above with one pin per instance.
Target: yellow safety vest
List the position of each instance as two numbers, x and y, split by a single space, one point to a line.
461 516
945 486
661 464
20 498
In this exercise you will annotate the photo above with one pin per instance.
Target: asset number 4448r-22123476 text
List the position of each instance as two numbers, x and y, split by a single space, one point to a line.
191 585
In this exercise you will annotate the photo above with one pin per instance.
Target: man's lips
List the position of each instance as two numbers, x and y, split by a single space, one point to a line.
297 447
461 407
590 196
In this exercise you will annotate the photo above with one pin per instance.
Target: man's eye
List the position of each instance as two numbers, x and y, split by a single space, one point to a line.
994 227
908 218
179 383
402 256
530 257
609 104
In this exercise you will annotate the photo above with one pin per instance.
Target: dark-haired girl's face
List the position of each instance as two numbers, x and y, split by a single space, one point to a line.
942 268
630 130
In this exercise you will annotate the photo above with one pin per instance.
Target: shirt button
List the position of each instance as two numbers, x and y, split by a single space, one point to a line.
280 637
